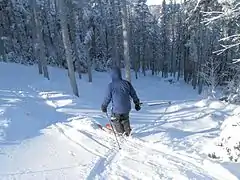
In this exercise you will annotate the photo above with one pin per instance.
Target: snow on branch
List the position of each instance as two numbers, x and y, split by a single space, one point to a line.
229 12
210 74
235 61
197 5
212 17
226 47
88 36
234 39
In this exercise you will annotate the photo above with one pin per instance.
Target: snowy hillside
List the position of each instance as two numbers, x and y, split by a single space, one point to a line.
46 133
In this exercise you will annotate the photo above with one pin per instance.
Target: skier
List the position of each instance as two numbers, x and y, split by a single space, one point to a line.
119 92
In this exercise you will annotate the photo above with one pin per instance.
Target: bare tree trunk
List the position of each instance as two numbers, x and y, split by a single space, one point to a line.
173 54
115 53
88 64
74 25
35 41
2 46
125 41
87 42
203 55
67 46
39 44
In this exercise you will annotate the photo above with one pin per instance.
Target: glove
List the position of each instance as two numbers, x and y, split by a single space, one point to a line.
104 109
137 107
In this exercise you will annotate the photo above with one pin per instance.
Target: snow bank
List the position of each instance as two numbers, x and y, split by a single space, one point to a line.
84 123
228 143
236 111
213 104
216 105
202 103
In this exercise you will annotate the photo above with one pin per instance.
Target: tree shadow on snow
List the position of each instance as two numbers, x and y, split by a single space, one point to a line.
173 133
233 168
24 115
181 134
177 118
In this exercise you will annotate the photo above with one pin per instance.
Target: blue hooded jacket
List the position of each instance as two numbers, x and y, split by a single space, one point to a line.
120 93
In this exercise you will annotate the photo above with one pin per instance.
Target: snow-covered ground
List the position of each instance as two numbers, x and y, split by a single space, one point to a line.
46 133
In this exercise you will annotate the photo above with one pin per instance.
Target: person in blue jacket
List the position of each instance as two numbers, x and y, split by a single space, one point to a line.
120 92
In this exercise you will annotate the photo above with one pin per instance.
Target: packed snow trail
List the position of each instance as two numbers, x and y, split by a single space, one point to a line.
46 133
139 159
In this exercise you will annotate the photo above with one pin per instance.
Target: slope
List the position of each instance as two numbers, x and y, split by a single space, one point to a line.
46 133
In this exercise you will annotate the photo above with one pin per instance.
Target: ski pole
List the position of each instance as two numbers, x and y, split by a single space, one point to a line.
113 130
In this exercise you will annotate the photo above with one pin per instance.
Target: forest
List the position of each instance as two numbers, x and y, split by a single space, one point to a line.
197 41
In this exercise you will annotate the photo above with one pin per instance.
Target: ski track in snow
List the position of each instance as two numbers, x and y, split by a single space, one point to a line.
111 165
148 160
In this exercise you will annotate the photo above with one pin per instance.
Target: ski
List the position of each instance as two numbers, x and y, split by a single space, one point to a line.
122 137
105 128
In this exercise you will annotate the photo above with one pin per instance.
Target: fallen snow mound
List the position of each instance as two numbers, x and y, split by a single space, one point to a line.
228 143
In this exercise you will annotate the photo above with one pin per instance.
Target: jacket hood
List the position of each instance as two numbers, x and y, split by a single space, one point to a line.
116 73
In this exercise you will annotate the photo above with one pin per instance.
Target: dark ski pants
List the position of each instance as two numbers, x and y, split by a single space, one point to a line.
121 123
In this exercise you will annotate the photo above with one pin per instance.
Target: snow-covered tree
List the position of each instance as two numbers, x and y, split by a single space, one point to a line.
172 39
227 14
